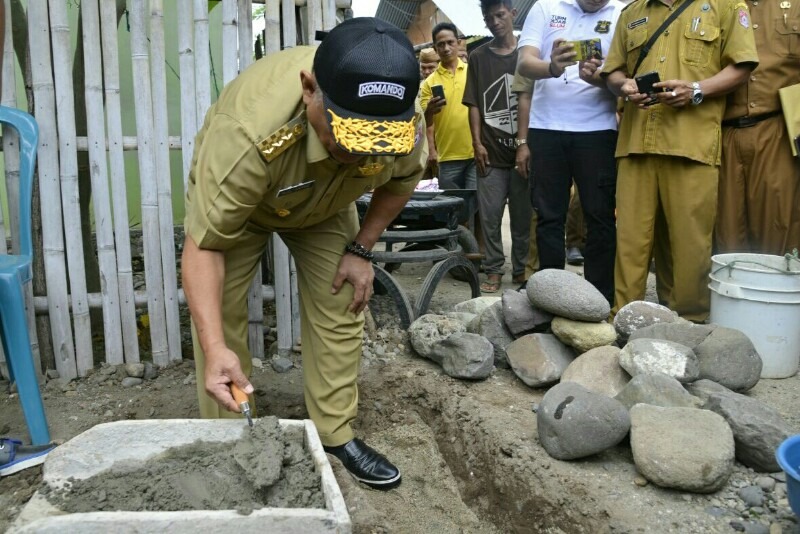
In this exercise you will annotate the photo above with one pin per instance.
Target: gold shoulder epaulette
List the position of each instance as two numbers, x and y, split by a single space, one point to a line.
276 143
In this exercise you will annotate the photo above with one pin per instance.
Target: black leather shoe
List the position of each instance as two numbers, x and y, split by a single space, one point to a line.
366 464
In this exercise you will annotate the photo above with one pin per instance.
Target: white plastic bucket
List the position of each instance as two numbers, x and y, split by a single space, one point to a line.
759 294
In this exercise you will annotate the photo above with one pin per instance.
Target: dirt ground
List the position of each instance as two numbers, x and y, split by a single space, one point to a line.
469 452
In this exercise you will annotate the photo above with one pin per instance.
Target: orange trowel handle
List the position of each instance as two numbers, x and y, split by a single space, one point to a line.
238 395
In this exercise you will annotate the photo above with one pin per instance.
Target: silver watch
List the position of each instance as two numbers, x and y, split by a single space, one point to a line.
697 93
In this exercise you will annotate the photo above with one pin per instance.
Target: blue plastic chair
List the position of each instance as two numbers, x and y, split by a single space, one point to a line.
15 271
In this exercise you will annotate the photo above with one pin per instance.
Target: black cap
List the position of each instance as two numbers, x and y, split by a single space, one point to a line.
369 77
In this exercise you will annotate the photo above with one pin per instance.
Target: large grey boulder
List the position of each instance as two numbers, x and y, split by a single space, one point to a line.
461 317
539 359
598 371
682 448
648 356
685 333
573 422
520 316
475 306
566 294
641 313
728 357
429 330
583 336
657 389
757 429
492 326
465 355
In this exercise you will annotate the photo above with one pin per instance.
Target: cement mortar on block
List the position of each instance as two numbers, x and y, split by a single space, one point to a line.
103 446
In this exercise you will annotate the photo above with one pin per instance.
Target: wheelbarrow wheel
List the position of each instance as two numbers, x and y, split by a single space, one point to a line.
469 246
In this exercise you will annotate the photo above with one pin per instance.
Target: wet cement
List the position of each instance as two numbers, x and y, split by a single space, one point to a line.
267 467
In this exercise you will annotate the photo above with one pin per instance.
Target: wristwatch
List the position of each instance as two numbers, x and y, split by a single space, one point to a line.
519 142
697 93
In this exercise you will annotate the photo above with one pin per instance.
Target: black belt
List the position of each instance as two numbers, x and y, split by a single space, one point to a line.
746 122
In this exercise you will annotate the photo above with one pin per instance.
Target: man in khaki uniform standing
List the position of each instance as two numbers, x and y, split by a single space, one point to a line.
759 187
669 142
288 147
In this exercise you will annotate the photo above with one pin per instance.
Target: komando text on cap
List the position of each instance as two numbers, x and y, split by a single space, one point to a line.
369 77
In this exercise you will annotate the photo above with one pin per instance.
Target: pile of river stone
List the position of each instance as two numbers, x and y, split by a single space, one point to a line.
675 388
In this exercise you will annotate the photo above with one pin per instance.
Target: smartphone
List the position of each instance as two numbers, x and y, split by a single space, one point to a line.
438 90
587 49
645 82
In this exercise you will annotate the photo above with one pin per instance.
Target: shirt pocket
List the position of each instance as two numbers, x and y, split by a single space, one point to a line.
698 44
788 36
285 204
633 44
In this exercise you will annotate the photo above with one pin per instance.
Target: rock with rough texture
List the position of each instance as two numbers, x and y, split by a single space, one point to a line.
703 389
135 370
682 448
598 371
520 316
431 329
475 306
462 317
150 371
567 294
492 326
281 364
573 422
465 355
757 429
647 356
685 333
130 381
656 389
583 336
729 358
641 313
539 359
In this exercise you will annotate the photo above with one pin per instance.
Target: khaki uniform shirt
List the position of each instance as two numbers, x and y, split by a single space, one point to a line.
778 44
708 36
258 164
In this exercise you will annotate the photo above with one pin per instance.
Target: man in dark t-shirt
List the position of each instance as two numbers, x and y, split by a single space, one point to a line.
493 124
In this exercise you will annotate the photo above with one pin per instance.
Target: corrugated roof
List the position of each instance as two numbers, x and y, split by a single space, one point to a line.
522 6
398 12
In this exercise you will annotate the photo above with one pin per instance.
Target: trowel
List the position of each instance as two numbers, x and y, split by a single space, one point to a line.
243 401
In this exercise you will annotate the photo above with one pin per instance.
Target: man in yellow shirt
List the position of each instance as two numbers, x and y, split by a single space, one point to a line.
669 142
449 139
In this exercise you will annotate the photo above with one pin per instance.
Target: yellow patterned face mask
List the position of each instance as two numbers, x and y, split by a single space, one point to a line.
370 137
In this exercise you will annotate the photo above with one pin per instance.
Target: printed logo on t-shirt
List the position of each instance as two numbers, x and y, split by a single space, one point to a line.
558 21
603 26
500 105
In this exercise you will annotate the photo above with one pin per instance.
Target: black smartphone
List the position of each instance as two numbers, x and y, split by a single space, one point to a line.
438 90
645 82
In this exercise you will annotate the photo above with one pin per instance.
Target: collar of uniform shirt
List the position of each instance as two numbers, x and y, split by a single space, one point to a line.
315 150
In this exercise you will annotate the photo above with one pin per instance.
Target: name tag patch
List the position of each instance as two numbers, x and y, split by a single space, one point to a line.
381 89
295 188
637 23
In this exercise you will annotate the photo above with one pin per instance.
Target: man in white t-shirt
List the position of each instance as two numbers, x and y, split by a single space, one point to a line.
572 131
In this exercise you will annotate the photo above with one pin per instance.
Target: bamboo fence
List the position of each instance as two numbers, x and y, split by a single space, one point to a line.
68 302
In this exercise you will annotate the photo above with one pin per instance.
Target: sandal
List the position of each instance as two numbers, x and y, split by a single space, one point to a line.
492 284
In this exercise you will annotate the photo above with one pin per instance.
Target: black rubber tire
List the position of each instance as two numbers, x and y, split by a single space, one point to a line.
392 288
469 245
435 276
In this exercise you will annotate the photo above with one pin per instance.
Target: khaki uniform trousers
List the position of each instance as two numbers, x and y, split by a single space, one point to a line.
683 193
332 336
759 190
